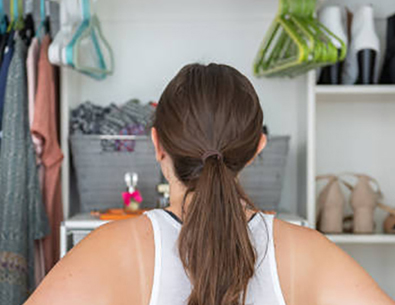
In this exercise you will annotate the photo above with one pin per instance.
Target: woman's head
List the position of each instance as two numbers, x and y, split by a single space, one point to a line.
203 108
211 108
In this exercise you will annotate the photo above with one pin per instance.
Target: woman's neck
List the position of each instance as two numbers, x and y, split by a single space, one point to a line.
177 193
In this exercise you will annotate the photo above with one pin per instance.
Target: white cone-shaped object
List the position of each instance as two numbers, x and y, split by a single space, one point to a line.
363 37
331 17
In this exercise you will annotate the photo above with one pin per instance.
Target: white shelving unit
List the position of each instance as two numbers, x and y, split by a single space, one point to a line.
362 93
350 128
330 107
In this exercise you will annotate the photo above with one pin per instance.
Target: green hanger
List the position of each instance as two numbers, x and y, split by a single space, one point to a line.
325 51
16 12
296 42
283 47
322 51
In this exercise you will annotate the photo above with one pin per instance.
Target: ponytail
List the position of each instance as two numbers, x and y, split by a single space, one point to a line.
204 107
214 243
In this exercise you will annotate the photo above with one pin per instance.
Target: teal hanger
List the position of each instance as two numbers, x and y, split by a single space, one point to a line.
89 28
42 28
96 35
42 19
83 26
3 24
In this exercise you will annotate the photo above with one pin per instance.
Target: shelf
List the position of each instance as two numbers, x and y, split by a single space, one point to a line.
362 239
355 89
361 93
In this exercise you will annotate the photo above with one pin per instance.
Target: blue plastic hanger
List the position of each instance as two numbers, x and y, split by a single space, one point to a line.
3 23
83 26
44 20
88 28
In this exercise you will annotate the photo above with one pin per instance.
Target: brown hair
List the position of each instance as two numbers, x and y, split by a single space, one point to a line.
206 108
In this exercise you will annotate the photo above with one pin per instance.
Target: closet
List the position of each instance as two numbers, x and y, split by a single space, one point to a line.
153 39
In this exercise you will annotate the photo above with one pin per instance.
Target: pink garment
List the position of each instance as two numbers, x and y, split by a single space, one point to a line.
39 263
31 67
45 128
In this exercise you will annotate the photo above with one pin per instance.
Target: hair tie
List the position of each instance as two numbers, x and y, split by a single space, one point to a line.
210 153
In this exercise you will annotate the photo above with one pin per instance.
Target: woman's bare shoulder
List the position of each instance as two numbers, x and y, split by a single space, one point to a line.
314 270
103 268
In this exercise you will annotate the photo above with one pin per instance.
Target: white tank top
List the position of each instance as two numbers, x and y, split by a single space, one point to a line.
171 284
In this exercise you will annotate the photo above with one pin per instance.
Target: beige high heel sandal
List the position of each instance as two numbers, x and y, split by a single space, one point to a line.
389 224
364 200
330 206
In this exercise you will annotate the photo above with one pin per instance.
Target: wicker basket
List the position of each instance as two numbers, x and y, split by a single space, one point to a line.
100 174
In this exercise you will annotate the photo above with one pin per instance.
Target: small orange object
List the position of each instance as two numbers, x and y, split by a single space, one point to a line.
117 214
270 212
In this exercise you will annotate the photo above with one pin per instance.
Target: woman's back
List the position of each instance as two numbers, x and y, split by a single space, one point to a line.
171 284
115 265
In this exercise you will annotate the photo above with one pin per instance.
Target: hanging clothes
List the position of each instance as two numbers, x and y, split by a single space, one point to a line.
3 40
7 57
22 214
28 32
32 69
45 127
31 66
3 43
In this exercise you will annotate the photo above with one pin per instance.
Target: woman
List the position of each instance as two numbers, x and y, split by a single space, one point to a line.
211 246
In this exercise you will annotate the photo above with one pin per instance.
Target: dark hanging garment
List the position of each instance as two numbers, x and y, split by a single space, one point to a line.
8 53
28 32
3 43
3 40
388 71
22 215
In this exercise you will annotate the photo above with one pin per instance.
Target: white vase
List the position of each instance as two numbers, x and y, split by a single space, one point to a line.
331 18
363 38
